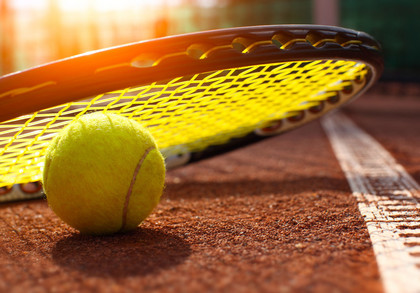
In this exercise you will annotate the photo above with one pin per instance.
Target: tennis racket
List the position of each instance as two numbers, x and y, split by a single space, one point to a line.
199 94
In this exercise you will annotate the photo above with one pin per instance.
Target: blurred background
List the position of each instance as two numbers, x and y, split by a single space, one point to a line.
34 32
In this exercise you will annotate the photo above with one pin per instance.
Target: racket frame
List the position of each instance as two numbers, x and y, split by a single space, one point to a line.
145 62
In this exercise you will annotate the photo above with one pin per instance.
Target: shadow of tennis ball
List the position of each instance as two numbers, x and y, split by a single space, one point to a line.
141 252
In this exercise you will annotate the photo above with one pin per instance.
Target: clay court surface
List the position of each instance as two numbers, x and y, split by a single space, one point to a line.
277 216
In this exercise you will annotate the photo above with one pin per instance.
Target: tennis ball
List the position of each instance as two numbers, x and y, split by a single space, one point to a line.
103 174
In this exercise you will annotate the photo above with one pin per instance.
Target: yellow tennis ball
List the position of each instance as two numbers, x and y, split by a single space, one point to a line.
103 174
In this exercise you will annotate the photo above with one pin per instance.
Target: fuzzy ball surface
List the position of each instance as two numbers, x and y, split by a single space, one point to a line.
103 174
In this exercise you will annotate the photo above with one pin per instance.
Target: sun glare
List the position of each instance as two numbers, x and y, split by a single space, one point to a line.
63 28
107 5
97 5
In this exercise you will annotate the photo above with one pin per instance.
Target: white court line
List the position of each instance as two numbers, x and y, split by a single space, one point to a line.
388 199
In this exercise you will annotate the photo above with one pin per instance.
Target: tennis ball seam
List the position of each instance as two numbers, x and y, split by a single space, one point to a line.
130 189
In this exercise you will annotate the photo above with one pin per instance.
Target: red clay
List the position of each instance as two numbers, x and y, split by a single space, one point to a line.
277 216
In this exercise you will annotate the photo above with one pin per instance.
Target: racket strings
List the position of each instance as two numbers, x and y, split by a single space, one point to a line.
193 112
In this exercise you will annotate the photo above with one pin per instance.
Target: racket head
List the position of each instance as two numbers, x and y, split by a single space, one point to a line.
146 62
199 94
